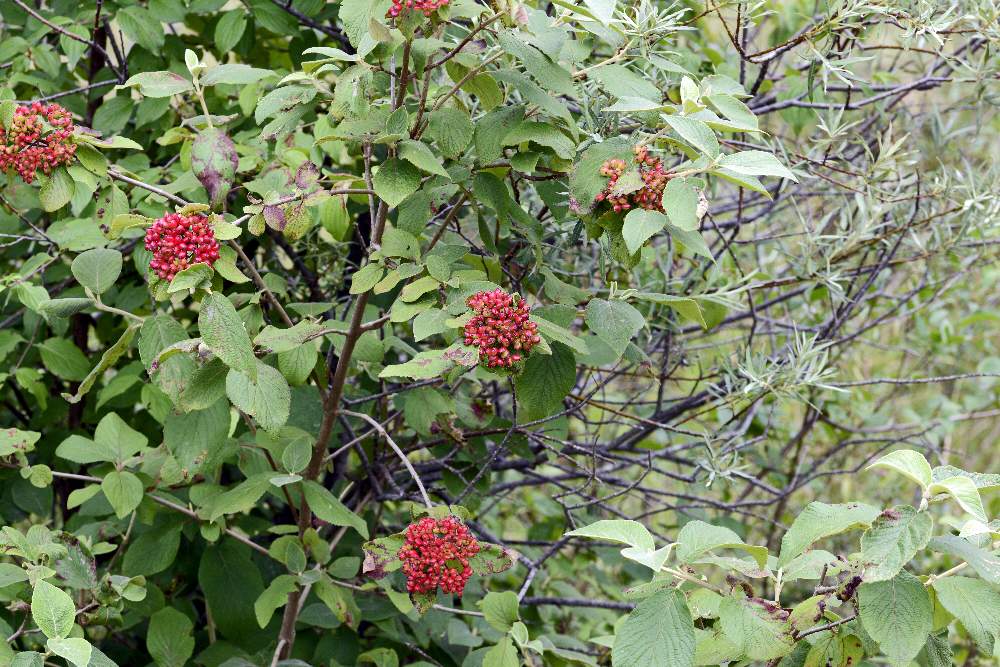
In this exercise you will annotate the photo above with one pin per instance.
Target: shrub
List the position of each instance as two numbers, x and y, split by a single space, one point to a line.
460 333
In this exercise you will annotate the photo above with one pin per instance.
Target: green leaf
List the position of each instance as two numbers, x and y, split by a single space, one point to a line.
240 498
192 277
544 383
492 559
640 225
696 133
123 490
965 493
13 441
28 659
686 307
491 130
229 29
624 531
231 583
697 538
555 333
326 506
356 16
624 83
108 359
64 307
810 565
97 269
550 75
500 610
586 181
641 547
502 655
908 463
894 538
124 221
819 520
680 202
451 129
57 190
52 610
169 638
982 481
11 574
273 598
142 27
985 563
159 84
223 331
977 607
395 181
542 134
563 292
233 73
7 111
636 104
423 366
897 614
755 163
938 651
64 359
615 322
835 649
266 396
659 631
119 440
366 278
419 155
273 339
76 651
758 627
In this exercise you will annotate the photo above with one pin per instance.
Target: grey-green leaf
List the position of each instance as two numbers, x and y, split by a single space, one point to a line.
97 269
52 610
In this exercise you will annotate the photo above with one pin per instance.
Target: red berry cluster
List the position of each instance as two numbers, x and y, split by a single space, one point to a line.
436 555
500 328
654 179
38 138
178 241
428 7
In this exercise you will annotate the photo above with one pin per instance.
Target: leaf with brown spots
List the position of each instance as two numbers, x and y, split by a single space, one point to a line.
381 555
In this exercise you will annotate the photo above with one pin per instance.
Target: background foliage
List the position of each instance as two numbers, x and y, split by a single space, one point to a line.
190 468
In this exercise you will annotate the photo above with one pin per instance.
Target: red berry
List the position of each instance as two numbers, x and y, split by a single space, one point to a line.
39 137
428 7
178 241
436 554
500 328
652 173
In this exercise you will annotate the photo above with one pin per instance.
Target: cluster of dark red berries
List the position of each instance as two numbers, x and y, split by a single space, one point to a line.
178 241
436 555
428 7
500 328
654 179
38 138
